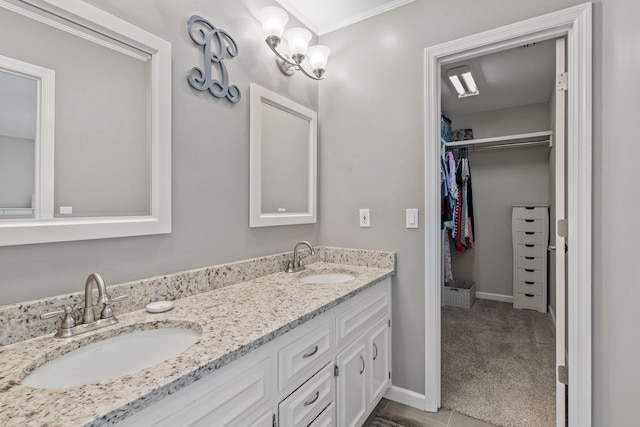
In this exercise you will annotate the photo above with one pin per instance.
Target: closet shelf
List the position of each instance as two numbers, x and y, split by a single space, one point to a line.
505 141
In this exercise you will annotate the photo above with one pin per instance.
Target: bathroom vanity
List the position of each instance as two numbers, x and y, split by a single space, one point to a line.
273 350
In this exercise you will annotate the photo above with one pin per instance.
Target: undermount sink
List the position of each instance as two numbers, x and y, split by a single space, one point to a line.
112 358
325 278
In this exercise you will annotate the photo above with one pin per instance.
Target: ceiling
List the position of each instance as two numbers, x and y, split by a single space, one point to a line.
325 16
511 78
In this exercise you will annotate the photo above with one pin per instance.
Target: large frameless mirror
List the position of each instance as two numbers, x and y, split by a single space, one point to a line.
85 133
283 152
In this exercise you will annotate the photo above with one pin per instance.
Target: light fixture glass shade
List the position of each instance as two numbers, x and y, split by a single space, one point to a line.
298 39
318 56
273 20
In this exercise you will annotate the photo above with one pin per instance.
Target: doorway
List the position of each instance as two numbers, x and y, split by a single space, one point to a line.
498 338
574 24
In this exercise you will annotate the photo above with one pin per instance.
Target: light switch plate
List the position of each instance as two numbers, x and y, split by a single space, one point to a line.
412 218
365 218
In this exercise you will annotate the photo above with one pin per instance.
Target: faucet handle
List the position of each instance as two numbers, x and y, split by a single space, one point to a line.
68 321
107 312
118 298
289 268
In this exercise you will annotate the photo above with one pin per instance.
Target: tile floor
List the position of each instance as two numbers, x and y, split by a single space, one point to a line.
442 418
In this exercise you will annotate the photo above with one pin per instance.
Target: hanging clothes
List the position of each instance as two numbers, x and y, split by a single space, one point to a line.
446 252
462 232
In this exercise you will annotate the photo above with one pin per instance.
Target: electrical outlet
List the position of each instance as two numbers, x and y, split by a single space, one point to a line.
365 218
66 210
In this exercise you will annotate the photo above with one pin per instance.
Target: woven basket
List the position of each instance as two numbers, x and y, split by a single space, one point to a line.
460 293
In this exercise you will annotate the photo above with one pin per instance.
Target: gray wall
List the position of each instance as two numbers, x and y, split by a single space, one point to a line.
500 179
17 171
210 166
371 108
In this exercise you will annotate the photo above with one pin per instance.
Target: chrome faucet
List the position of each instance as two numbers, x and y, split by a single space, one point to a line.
296 264
88 315
69 328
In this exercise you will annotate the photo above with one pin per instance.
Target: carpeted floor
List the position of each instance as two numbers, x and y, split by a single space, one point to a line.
498 364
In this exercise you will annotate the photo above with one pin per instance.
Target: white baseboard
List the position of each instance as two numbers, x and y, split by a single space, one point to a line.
553 315
494 297
406 397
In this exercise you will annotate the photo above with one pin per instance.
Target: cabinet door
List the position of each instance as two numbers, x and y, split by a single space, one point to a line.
351 389
379 358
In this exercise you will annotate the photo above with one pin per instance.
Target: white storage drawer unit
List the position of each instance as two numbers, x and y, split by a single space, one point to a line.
530 231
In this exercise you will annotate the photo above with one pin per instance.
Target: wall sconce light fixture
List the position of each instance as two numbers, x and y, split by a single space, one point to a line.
273 20
462 81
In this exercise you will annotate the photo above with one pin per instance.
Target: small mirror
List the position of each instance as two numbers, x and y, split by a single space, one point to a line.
283 151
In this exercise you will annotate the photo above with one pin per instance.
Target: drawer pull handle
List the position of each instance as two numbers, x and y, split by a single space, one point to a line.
529 208
529 220
529 233
362 360
375 349
529 270
529 257
529 295
312 401
314 351
529 245
529 283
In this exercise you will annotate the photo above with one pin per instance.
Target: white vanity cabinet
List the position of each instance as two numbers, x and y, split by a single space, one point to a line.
379 360
363 366
364 375
352 384
331 371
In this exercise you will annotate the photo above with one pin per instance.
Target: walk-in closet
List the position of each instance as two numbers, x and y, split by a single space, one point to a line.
499 130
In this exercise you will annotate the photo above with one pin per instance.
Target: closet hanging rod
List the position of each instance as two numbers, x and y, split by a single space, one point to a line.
499 146
504 141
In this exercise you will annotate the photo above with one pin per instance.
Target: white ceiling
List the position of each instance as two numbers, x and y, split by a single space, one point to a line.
511 78
18 113
325 16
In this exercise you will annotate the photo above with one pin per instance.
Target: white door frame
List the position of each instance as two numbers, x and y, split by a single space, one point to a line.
574 23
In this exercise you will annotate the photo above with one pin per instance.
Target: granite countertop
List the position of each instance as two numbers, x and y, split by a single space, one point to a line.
233 320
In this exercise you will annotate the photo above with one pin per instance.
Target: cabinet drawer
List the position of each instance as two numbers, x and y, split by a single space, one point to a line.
298 359
531 250
327 418
533 301
235 397
536 225
535 213
535 237
534 288
361 317
530 262
530 275
306 403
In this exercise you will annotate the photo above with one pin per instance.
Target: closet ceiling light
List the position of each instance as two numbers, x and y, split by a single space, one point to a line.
458 85
463 81
273 21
